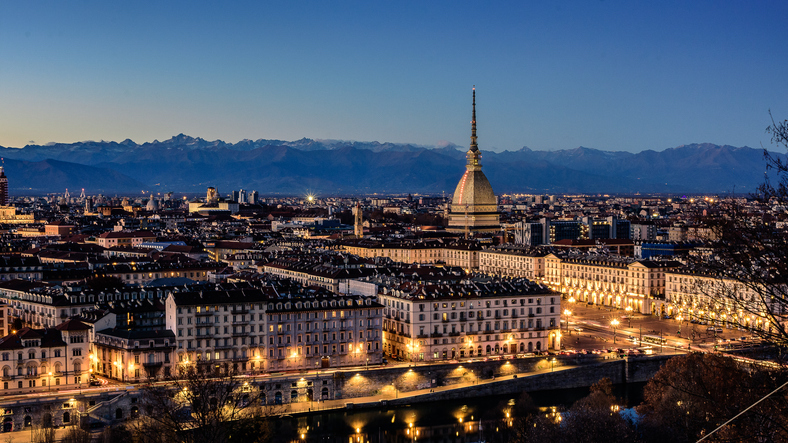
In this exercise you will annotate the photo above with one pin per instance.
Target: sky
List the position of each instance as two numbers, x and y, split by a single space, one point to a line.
611 75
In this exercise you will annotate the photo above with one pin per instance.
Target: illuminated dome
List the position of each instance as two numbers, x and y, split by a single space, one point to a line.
474 207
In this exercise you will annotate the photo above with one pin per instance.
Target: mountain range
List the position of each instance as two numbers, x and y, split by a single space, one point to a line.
335 167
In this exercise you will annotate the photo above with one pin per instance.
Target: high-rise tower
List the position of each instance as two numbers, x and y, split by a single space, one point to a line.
474 207
3 187
358 229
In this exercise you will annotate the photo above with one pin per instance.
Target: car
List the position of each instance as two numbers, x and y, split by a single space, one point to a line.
711 329
742 338
578 329
719 330
95 383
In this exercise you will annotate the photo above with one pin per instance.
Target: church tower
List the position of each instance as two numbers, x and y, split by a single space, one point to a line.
3 187
474 207
358 228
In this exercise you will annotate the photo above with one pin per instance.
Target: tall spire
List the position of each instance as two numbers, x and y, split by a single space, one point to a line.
473 153
474 147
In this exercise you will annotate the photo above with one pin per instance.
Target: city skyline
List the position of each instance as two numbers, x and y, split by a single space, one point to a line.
610 76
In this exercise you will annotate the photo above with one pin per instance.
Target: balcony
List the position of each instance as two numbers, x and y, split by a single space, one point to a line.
152 364
454 334
437 334
217 347
422 335
204 314
240 333
203 334
240 311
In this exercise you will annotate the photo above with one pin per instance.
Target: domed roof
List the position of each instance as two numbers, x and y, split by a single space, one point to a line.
472 190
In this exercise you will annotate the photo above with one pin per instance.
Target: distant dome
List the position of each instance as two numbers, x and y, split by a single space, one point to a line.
153 205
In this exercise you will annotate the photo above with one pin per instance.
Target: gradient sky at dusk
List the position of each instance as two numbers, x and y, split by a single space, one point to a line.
613 75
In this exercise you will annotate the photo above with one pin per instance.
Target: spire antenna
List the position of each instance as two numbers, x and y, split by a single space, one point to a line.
474 146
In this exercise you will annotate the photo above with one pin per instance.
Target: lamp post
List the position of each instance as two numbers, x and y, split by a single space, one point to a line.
614 323
568 315
629 315
679 319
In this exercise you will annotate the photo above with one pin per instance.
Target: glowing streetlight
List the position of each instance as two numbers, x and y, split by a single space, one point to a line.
568 315
629 315
614 324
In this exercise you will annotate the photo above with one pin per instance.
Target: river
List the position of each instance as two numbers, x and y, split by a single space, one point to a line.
473 420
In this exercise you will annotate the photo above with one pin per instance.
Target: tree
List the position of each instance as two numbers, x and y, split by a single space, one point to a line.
202 407
744 281
597 417
594 418
693 394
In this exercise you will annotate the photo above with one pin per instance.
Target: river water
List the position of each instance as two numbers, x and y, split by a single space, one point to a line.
471 420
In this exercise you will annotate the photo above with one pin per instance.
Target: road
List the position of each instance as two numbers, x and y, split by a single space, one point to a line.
598 333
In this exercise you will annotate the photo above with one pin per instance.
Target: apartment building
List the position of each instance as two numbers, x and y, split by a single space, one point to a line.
456 253
475 317
699 296
133 355
45 359
256 330
610 280
513 262
322 332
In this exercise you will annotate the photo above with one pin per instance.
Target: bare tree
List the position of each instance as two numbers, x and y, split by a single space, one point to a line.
43 434
75 434
200 407
744 281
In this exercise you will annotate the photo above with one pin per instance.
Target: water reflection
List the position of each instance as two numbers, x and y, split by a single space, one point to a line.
487 419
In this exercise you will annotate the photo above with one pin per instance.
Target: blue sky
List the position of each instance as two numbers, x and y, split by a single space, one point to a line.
613 75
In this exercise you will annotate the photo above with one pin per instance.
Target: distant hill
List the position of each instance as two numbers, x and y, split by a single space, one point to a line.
40 177
189 164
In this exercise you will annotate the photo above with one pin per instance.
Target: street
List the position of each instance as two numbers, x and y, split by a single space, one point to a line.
596 330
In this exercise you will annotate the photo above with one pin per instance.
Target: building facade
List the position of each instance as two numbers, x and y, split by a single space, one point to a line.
474 318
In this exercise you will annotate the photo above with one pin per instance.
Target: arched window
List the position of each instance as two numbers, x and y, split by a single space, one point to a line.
77 367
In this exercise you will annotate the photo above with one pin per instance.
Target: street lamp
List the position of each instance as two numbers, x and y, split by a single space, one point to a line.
679 319
629 315
614 323
568 315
